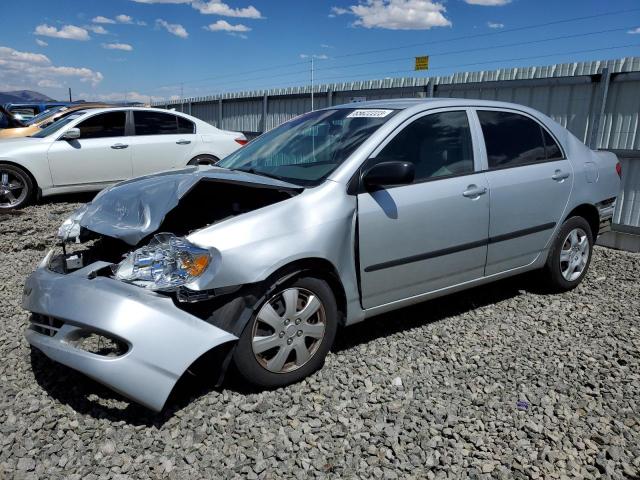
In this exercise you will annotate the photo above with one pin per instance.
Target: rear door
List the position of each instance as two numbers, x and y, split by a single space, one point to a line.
100 155
530 181
432 234
162 141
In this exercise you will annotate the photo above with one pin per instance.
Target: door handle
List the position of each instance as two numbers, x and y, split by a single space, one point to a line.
183 142
473 191
119 146
559 175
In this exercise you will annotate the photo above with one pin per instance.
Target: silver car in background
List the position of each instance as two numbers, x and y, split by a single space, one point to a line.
327 220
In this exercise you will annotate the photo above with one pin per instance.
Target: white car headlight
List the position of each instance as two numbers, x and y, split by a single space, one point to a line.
168 262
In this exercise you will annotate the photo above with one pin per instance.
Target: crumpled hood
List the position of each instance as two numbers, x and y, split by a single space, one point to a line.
133 209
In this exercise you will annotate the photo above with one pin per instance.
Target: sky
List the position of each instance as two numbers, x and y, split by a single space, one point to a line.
142 50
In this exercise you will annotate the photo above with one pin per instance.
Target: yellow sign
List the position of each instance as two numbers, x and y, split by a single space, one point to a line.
422 63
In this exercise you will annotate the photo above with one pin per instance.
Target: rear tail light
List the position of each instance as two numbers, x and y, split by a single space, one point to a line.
242 141
619 169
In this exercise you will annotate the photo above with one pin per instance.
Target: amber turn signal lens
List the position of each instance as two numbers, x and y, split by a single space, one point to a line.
195 265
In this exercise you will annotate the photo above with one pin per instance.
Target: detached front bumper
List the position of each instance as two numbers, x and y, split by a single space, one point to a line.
160 340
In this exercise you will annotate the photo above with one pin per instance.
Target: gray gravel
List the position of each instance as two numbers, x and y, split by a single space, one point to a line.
499 382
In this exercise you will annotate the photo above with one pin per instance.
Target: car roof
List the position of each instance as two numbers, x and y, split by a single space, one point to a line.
126 107
404 103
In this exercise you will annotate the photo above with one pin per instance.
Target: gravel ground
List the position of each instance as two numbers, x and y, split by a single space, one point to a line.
499 382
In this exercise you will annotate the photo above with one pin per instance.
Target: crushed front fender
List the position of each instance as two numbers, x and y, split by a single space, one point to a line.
162 340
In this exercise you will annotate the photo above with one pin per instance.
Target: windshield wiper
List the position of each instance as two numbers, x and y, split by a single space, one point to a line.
256 172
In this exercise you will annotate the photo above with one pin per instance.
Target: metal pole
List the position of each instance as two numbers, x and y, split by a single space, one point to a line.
70 100
265 103
430 88
312 83
605 78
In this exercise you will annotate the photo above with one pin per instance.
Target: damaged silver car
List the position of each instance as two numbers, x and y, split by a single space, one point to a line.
331 218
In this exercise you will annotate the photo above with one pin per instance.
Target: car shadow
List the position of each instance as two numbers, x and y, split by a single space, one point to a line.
89 397
437 309
80 197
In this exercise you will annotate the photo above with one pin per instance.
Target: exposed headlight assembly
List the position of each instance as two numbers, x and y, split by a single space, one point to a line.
167 263
70 228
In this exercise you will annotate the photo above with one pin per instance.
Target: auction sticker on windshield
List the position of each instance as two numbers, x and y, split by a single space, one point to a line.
369 113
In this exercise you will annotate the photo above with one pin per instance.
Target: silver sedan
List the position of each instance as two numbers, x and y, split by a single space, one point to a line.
327 220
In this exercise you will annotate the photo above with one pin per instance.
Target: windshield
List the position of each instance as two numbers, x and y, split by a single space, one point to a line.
55 126
45 114
308 148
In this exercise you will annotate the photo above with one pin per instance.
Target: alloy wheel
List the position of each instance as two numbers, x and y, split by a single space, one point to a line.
13 188
288 330
574 254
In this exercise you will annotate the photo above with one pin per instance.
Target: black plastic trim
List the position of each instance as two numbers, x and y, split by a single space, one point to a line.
460 248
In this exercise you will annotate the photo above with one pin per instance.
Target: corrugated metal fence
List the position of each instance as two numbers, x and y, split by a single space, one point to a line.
599 101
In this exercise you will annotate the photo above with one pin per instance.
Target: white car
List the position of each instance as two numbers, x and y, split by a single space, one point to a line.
91 149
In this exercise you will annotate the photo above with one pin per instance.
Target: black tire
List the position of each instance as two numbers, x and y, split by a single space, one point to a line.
245 360
553 270
204 160
18 198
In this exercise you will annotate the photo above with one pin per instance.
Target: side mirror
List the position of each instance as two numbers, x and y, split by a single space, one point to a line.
388 174
71 134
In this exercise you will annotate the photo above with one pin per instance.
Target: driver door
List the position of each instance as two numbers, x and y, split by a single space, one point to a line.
431 234
100 155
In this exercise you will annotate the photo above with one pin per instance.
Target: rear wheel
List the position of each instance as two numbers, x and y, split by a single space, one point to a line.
16 187
289 335
570 255
204 160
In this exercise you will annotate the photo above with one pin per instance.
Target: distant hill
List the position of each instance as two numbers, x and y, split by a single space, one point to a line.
21 96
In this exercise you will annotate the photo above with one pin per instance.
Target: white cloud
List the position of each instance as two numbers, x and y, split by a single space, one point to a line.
339 10
217 7
397 14
118 46
488 3
47 83
173 28
122 18
9 54
42 43
495 25
325 45
68 32
322 56
101 19
119 97
634 31
224 26
35 69
99 29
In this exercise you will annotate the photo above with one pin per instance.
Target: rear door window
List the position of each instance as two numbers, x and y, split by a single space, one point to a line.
512 139
185 126
103 125
551 147
158 123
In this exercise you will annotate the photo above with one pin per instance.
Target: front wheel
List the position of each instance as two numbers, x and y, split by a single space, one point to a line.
570 255
289 335
16 187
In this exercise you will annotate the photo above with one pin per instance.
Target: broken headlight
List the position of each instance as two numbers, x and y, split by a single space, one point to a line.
70 228
168 262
